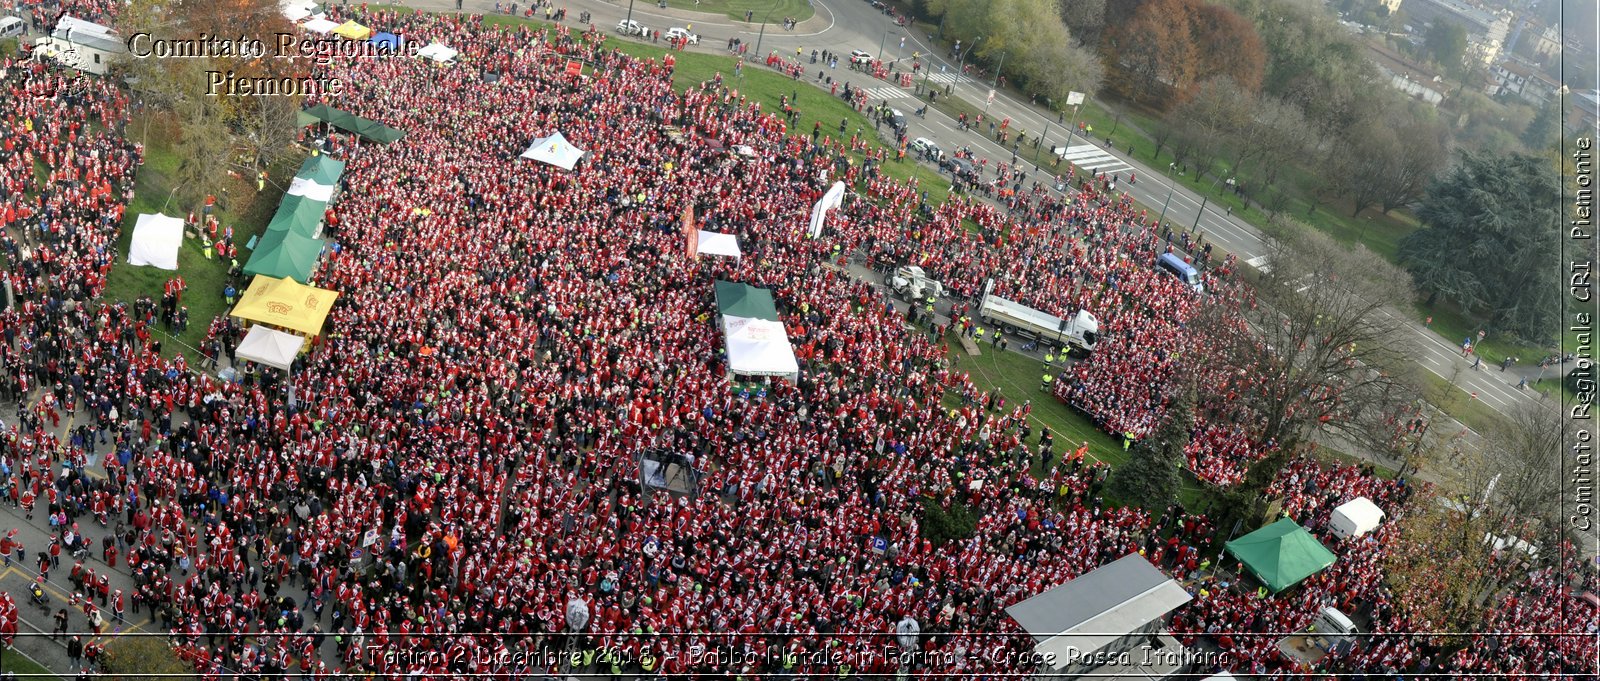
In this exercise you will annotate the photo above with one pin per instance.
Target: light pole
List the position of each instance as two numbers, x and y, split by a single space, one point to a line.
961 72
1043 141
1170 187
1203 199
630 11
763 33
997 70
881 41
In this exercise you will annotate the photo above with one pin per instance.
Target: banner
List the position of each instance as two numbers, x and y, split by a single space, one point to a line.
574 67
690 234
829 201
1074 98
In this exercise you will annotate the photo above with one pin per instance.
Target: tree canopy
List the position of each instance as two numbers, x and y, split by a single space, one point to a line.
1166 48
1489 242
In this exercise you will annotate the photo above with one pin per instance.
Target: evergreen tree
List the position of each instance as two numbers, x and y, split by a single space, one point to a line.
1150 479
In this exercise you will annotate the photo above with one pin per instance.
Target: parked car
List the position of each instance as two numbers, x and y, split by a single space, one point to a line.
860 57
926 147
631 27
678 33
897 119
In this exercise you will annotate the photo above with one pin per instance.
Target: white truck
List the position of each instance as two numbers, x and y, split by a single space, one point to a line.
1077 335
1331 630
912 283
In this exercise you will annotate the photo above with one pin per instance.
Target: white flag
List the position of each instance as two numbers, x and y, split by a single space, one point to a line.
829 201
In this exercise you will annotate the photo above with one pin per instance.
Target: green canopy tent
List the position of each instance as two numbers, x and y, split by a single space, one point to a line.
285 255
320 112
321 169
1282 554
350 122
738 300
299 215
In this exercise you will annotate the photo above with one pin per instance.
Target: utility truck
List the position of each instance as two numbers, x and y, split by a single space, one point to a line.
1077 334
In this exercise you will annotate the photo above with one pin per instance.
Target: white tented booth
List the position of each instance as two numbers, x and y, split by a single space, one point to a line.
717 243
554 150
156 239
439 52
270 347
1355 518
759 347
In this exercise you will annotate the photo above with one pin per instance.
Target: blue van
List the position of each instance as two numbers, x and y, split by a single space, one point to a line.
1185 272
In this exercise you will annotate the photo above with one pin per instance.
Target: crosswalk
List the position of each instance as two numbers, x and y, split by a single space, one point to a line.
1089 157
881 93
943 78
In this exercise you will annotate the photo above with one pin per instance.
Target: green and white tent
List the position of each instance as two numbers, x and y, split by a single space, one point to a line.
1282 554
757 343
285 255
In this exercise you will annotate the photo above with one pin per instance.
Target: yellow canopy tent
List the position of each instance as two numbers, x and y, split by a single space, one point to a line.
286 303
353 30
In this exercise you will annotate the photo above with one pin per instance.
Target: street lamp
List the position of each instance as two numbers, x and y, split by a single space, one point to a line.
763 33
961 72
630 11
881 41
1170 187
997 70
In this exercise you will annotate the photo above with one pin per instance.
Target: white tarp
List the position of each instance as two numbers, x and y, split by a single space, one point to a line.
316 192
438 52
320 25
1355 518
758 347
829 201
554 150
270 347
156 239
717 243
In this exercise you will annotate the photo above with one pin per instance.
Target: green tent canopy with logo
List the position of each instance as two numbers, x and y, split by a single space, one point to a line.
1282 554
757 343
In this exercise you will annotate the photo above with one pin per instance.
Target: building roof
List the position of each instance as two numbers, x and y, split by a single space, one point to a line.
1100 606
88 34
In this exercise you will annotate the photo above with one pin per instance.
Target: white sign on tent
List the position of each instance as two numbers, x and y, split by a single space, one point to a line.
554 150
758 347
156 239
306 187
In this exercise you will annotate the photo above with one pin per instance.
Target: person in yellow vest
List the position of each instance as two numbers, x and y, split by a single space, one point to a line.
1049 358
647 662
979 334
1046 381
1127 441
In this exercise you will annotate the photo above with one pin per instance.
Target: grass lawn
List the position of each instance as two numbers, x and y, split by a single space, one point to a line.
773 10
1332 455
25 668
240 206
1459 404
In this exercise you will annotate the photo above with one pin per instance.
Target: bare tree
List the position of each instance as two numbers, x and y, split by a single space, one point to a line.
1319 352
1218 112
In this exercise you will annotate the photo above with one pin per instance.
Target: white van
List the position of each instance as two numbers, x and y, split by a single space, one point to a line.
11 27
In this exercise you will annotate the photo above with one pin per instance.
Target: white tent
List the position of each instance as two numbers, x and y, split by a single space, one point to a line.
438 52
156 239
296 10
554 150
1355 518
758 347
717 243
270 347
829 201
320 25
308 188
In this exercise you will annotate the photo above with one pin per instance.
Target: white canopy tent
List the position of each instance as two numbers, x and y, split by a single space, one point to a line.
717 243
1355 518
554 150
156 239
296 10
308 188
438 52
270 347
320 25
759 347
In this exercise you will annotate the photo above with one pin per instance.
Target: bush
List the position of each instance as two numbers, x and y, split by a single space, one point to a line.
142 658
941 525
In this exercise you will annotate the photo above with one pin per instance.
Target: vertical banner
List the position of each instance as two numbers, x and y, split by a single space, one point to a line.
690 234
829 201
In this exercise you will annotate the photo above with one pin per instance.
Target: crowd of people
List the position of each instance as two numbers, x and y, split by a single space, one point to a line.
460 468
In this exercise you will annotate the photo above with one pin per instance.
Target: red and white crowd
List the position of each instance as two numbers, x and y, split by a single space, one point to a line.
461 462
